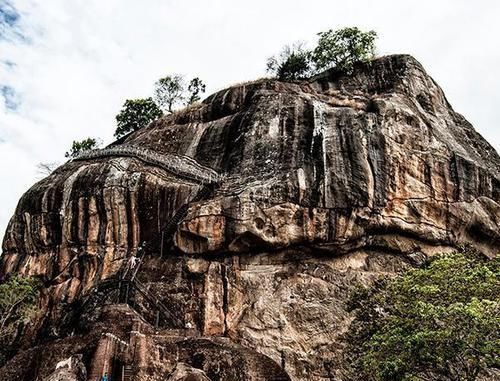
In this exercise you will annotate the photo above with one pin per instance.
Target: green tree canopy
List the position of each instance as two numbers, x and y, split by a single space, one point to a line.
169 92
136 113
18 297
343 48
195 88
80 146
340 49
294 62
440 322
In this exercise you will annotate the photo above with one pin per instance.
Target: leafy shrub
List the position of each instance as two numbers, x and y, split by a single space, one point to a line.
440 322
18 297
343 48
81 146
136 113
294 62
340 49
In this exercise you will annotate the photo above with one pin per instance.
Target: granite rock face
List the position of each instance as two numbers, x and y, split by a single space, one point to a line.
71 369
328 183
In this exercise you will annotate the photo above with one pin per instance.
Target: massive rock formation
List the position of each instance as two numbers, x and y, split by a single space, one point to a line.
327 183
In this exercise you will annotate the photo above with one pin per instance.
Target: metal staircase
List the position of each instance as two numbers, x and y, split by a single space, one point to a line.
171 226
128 373
179 165
128 290
128 281
128 286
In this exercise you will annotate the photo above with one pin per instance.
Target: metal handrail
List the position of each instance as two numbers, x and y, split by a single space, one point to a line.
148 295
180 165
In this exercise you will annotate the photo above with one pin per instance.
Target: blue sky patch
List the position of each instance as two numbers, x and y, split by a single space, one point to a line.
8 15
10 28
10 97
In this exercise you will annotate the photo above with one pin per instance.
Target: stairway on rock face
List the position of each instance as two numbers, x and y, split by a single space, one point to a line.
157 303
129 284
129 281
180 165
128 373
170 227
98 364
109 348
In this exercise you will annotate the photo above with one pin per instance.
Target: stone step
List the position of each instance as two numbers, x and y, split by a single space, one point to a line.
128 373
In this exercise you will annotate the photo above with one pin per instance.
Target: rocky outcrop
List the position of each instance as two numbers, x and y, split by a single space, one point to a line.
327 183
185 372
71 369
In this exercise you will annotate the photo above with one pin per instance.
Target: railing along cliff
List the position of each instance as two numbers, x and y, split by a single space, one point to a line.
179 165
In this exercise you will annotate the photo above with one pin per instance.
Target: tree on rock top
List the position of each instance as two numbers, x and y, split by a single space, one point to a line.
294 62
169 92
343 48
136 113
81 146
195 88
340 49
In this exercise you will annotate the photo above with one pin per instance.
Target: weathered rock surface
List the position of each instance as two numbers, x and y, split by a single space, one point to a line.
328 183
71 369
185 372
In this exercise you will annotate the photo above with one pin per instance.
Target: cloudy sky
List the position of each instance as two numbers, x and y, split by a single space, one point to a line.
66 66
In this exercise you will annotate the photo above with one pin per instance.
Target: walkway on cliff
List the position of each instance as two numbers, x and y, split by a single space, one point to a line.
179 165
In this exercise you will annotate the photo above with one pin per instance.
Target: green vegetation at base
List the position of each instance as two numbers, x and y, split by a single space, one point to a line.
18 298
439 322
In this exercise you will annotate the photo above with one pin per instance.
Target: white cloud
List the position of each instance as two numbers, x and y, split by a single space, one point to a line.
85 57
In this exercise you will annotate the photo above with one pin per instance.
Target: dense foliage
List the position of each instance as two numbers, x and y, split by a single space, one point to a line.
80 146
136 113
18 298
294 62
343 48
440 322
340 49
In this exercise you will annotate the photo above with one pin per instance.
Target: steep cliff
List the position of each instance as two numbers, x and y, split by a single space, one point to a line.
326 183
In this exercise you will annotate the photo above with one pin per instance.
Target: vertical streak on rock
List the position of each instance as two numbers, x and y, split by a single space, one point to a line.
134 216
377 158
370 181
454 177
319 132
213 319
199 131
225 296
67 219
